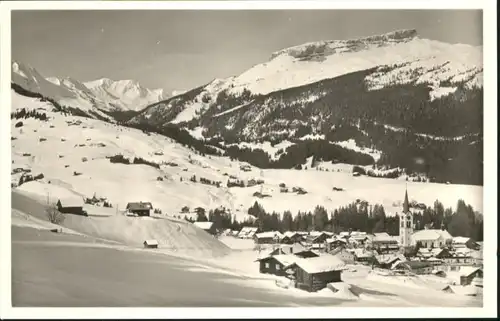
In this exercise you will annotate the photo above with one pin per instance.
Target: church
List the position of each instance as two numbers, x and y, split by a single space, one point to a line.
428 238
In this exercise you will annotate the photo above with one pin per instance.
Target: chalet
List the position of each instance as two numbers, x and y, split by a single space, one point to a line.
291 238
345 256
71 205
140 208
427 253
361 255
150 244
208 227
467 276
383 242
314 274
272 237
460 256
289 249
476 257
333 243
358 238
464 242
416 267
388 261
432 238
247 232
276 264
317 237
306 254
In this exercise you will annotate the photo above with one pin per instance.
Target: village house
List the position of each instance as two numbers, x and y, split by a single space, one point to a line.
416 267
315 237
276 264
359 239
71 205
334 243
362 255
467 276
314 274
432 238
291 238
140 208
208 227
247 232
383 242
345 256
388 261
272 237
437 253
464 242
151 244
296 249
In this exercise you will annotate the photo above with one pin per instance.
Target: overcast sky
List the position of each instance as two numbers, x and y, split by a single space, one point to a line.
178 50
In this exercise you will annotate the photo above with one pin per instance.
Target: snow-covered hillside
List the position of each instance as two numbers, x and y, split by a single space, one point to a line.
72 154
95 96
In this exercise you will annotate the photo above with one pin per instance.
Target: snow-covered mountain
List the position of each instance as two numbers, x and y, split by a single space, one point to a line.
126 94
92 98
402 58
349 92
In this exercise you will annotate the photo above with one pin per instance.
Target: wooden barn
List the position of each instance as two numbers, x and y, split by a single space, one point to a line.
291 238
272 237
417 267
334 243
467 274
72 205
314 274
151 244
276 264
317 237
140 208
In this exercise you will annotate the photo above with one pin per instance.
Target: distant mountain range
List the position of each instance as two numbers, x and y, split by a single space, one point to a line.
102 95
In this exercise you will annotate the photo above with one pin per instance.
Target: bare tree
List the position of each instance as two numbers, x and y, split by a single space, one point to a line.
54 215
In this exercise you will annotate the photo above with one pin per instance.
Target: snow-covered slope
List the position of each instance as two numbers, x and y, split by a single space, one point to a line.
125 94
75 144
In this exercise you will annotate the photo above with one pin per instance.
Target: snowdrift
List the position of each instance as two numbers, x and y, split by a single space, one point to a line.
176 236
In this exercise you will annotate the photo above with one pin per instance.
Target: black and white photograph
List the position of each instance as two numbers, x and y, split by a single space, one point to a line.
248 156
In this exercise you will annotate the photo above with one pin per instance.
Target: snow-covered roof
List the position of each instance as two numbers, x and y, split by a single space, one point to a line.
204 225
151 242
362 253
332 240
136 206
431 235
71 201
384 237
324 263
460 240
269 234
468 270
426 252
290 234
285 259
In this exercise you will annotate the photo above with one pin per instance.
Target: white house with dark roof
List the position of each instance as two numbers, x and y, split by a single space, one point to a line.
432 238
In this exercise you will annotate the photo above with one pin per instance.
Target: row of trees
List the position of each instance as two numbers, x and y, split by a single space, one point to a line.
357 216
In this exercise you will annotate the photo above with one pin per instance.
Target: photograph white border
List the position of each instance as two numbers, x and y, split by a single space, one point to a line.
490 165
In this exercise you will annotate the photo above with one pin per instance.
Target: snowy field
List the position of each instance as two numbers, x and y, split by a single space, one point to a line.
65 145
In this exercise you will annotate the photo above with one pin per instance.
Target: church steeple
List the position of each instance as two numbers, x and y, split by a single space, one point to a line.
406 204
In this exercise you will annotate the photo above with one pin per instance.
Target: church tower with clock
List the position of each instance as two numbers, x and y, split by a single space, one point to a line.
405 224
